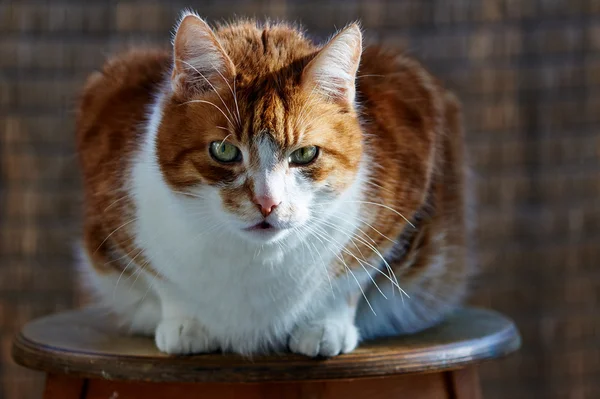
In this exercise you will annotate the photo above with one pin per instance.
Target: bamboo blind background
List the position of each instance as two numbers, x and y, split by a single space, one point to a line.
527 71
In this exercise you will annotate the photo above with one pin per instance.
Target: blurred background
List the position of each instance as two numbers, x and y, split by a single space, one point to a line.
527 71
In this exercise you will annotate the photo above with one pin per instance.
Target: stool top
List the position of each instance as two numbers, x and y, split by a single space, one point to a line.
85 343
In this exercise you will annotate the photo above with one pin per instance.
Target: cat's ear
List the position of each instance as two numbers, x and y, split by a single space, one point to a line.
200 62
333 70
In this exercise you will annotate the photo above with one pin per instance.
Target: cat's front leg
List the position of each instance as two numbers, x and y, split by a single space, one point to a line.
329 332
180 332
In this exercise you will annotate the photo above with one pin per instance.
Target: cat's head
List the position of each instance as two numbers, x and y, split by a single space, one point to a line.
260 126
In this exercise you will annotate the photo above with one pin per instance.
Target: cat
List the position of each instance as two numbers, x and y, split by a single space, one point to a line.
249 191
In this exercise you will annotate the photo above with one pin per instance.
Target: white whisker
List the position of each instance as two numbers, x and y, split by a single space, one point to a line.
320 256
372 203
123 272
226 137
376 251
353 275
209 103
113 232
116 201
368 224
233 93
360 261
211 85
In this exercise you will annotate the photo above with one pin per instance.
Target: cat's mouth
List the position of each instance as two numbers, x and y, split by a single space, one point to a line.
265 231
264 225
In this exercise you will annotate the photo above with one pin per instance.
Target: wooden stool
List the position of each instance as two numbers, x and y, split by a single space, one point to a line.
84 357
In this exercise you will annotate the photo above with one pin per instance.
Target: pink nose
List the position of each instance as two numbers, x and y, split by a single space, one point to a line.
266 205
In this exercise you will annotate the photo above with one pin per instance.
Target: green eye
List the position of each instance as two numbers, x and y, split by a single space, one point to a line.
304 155
225 152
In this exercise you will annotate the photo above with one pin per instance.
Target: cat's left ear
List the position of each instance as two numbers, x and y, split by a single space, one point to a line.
333 71
200 62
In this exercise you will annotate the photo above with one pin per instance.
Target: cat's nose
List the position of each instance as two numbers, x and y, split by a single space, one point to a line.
266 205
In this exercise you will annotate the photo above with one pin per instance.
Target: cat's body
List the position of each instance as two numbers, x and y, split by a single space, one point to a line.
262 247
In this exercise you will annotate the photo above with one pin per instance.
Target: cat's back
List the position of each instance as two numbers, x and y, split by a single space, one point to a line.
113 106
395 89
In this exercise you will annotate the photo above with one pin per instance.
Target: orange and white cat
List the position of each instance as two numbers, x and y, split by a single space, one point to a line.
250 191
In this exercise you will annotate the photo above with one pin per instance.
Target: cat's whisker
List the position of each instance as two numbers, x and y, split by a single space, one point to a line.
137 271
225 139
119 258
361 264
372 183
210 84
356 227
209 103
113 232
239 120
373 248
369 76
116 201
187 193
322 261
236 101
258 251
355 279
325 268
376 251
390 270
351 236
366 223
371 203
123 272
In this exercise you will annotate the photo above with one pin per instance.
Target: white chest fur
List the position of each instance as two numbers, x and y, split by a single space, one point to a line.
246 295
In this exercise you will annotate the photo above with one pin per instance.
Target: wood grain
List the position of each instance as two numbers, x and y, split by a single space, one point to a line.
84 343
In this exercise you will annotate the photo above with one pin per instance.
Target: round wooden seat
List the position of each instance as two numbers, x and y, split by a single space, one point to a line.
85 345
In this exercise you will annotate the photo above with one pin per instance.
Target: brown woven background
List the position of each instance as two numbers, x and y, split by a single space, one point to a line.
527 71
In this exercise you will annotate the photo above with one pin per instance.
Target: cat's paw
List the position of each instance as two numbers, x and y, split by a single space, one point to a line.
324 338
183 337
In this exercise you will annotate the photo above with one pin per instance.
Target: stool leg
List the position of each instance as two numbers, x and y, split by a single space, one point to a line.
464 383
62 387
419 386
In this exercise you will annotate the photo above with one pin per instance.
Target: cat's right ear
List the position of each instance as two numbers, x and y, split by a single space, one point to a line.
333 70
200 62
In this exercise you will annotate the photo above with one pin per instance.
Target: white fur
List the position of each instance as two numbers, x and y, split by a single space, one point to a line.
270 178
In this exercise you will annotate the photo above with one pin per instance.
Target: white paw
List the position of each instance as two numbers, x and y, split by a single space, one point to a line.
183 337
324 338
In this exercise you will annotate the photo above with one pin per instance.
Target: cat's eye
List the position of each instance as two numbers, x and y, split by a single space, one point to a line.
304 155
225 152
